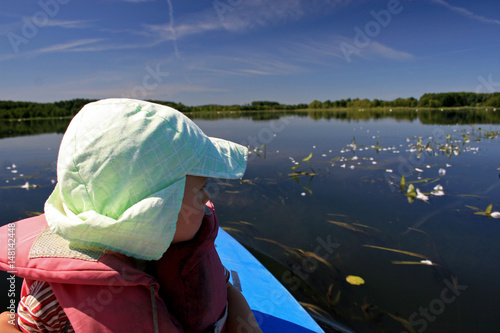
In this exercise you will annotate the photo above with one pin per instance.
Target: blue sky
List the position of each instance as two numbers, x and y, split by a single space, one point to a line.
239 51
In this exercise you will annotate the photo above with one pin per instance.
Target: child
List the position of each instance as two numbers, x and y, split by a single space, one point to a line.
126 241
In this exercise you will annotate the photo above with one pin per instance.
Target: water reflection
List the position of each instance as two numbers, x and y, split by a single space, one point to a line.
324 200
425 116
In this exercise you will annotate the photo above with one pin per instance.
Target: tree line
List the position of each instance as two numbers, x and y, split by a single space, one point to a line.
428 100
63 109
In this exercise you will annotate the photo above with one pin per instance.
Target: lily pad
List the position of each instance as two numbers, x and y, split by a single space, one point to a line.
355 280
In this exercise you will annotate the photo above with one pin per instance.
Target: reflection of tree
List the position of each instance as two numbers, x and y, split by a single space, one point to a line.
459 116
33 127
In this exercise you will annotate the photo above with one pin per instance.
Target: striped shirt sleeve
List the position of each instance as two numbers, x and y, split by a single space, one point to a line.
40 311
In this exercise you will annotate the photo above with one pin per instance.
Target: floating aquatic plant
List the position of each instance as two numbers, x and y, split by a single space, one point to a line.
414 193
402 183
301 254
245 224
329 296
377 147
437 191
355 280
232 230
453 146
421 262
258 151
413 254
295 175
303 173
487 212
314 308
348 227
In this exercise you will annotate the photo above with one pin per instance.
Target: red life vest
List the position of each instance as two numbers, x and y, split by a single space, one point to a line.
193 273
102 291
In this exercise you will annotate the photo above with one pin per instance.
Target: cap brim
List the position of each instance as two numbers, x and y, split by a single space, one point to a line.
223 159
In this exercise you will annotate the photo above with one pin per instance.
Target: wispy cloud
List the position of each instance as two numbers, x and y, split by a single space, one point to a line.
246 63
385 51
81 45
327 50
248 15
67 47
467 13
69 24
15 26
259 13
171 27
245 16
71 46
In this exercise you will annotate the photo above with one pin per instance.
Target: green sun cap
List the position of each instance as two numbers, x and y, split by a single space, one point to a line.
121 174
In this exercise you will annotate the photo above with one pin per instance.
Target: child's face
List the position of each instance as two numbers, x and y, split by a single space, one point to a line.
192 209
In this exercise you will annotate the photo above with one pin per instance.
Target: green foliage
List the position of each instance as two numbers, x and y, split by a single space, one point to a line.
31 110
67 109
457 99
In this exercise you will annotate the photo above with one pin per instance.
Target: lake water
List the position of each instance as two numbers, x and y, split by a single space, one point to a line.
342 211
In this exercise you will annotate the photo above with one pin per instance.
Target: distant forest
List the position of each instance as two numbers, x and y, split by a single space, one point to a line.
31 110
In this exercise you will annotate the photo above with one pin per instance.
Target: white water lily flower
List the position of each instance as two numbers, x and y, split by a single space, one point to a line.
438 191
388 170
427 262
419 170
422 196
495 215
442 172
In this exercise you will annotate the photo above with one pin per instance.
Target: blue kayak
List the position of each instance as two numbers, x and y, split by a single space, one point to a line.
275 309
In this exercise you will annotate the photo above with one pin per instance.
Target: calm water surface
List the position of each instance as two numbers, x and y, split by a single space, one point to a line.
311 224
